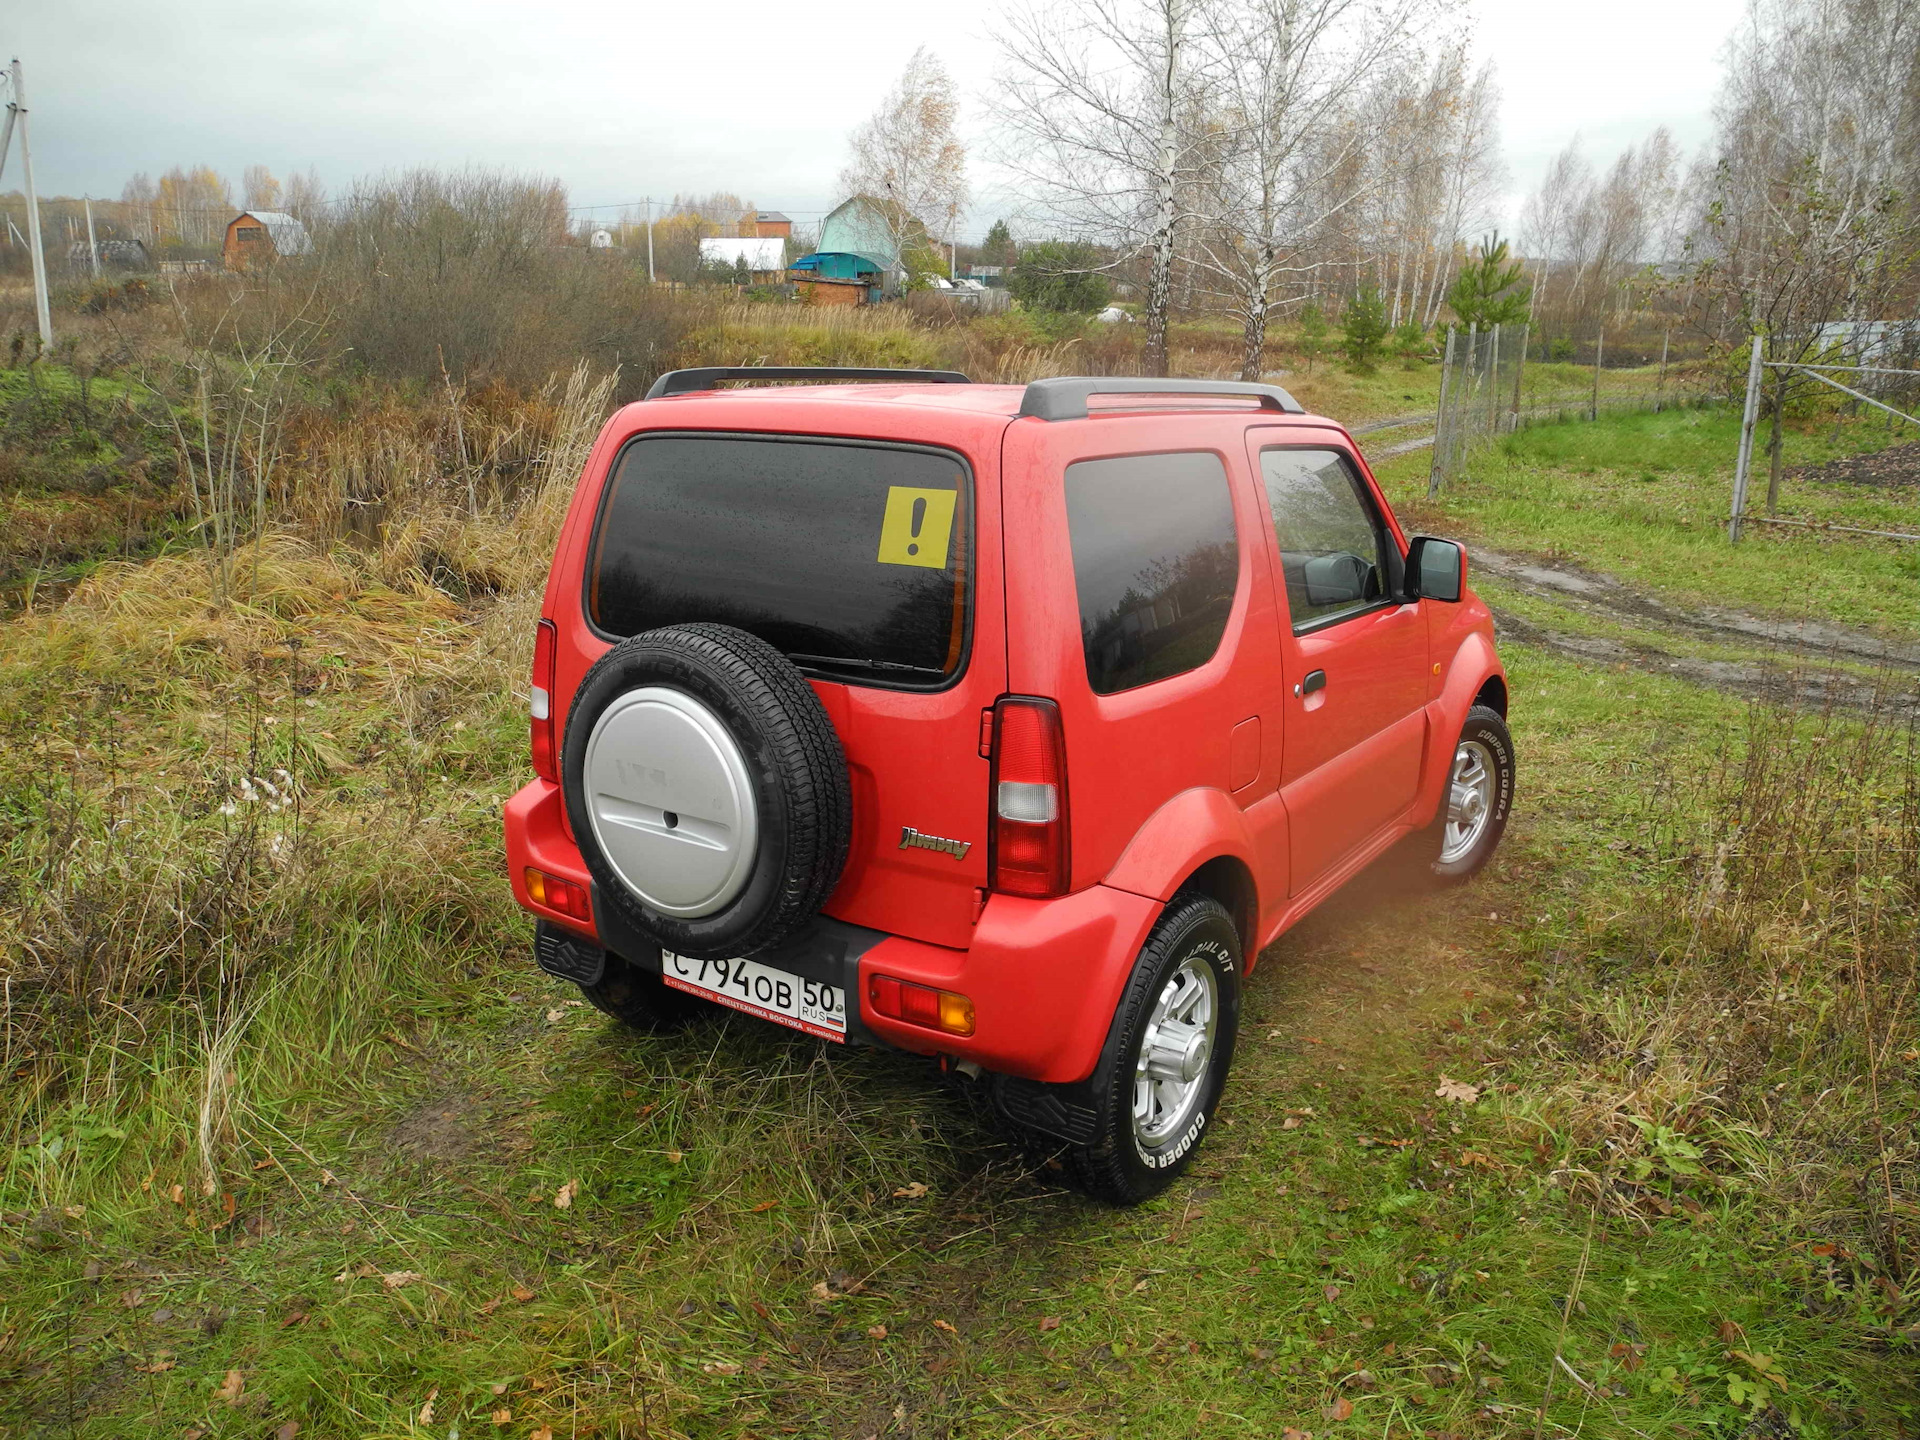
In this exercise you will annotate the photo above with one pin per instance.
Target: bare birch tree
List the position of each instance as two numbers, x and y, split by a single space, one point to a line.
1097 106
1282 130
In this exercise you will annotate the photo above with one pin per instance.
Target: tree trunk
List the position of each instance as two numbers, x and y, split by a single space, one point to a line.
1160 277
1253 358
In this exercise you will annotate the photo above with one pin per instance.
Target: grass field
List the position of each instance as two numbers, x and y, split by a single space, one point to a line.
1617 1140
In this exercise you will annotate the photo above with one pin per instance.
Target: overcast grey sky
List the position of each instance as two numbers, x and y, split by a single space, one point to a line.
621 101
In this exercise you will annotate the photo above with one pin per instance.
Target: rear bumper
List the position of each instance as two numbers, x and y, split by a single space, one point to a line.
1044 976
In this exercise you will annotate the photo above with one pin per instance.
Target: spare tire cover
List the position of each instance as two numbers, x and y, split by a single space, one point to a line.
707 790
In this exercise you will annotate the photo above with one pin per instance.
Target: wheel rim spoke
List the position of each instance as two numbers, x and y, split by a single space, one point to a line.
1469 800
1176 1050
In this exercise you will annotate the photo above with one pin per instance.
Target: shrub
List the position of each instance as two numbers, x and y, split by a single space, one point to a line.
1061 275
1363 328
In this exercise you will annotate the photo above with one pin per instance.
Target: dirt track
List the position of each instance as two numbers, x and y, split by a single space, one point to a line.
1806 670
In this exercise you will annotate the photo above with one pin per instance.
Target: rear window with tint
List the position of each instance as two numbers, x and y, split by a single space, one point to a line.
850 559
1155 562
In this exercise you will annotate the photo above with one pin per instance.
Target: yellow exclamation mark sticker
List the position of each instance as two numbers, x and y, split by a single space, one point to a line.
918 527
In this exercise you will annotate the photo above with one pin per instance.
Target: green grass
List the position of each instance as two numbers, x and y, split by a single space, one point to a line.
770 1235
411 1096
1645 498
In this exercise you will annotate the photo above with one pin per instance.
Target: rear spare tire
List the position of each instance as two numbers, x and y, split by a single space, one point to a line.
707 790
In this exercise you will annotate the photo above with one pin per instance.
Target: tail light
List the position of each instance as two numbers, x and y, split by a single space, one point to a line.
1028 849
563 897
920 1005
545 757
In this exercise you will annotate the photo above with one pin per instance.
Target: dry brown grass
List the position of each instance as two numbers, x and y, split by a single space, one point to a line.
1753 1024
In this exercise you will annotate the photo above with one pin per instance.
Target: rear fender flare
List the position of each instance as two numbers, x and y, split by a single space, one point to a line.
1193 829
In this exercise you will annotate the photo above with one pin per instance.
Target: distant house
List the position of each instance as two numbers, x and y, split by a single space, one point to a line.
257 236
766 257
766 225
111 254
858 258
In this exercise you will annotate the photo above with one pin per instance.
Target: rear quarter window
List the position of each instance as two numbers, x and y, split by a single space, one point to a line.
851 559
1155 562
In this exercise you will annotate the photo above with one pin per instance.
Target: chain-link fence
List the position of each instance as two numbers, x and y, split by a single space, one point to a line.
1491 386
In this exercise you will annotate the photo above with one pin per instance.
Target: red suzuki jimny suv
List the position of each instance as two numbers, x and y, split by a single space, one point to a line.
999 724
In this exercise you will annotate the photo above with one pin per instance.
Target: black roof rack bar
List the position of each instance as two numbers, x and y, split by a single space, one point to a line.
683 382
1065 397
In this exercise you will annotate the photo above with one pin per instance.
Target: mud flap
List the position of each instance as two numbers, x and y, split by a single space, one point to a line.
567 956
1064 1112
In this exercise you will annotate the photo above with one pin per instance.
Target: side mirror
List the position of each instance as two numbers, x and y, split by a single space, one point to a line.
1436 569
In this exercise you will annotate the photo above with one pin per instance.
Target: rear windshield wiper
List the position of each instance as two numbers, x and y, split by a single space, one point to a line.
863 664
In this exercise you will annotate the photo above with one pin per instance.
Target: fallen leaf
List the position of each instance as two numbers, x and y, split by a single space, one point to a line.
674 1157
177 1194
231 1388
327 1177
1457 1090
522 1294
1049 1322
362 1271
74 1212
764 1206
721 1367
503 1417
426 1410
227 1219
1339 1409
267 1164
543 1433
1292 1122
491 1306
876 1332
287 1431
913 1191
564 1200
1292 1434
159 1365
498 1387
298 1317
554 1017
131 1299
943 1325
394 1279
824 1292
1332 1292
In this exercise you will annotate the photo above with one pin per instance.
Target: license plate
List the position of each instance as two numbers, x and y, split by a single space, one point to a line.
761 990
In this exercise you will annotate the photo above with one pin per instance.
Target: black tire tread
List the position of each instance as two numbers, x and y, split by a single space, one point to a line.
1436 833
1099 1168
806 761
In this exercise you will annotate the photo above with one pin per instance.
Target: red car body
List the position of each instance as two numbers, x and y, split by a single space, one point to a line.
1226 779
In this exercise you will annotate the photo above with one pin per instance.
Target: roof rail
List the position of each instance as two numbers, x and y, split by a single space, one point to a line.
682 382
1065 397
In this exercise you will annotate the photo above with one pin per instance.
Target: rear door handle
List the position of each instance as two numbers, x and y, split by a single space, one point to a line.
1316 680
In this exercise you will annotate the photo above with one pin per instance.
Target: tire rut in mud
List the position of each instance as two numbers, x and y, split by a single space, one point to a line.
1810 640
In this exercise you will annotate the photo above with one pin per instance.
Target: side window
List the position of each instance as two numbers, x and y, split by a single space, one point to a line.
1155 561
1332 547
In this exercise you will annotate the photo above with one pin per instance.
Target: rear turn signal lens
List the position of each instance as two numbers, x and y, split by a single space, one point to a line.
563 897
545 756
920 1005
1029 850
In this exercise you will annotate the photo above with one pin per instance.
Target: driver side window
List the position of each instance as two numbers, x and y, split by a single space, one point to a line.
1332 548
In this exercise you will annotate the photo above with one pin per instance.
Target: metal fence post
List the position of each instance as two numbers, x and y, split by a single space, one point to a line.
1519 370
1599 355
1745 459
1493 384
1440 421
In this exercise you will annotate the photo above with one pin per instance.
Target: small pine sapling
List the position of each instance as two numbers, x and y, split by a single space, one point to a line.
1363 328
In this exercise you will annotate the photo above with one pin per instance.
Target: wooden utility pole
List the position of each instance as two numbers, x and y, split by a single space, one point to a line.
17 114
1519 371
649 240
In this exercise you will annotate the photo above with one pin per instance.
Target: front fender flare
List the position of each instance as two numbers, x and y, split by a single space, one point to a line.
1473 664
